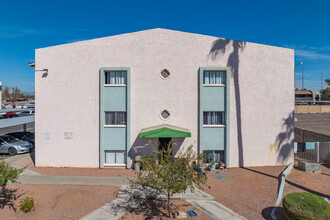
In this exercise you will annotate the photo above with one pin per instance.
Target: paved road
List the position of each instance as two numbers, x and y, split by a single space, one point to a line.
29 127
316 122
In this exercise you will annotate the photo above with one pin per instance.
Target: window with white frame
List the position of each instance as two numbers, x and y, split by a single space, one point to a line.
115 157
213 156
214 78
115 118
115 77
213 118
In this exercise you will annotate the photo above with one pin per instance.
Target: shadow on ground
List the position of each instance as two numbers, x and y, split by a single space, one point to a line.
291 183
155 208
266 213
7 196
32 156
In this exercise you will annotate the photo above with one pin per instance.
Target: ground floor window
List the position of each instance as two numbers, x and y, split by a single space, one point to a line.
115 157
213 156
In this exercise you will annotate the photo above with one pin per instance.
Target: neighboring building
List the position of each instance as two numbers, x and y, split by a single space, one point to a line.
101 102
303 96
325 97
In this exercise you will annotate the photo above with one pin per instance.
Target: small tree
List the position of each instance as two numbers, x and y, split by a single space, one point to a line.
169 175
327 90
8 173
11 96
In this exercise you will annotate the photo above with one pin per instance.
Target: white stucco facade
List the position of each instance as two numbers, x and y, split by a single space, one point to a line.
67 98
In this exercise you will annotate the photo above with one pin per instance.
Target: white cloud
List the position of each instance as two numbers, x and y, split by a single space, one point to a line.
17 31
75 40
311 54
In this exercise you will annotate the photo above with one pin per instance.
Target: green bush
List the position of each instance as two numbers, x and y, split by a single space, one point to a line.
305 206
27 204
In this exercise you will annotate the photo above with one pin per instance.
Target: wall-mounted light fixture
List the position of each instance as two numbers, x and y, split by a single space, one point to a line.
33 64
45 70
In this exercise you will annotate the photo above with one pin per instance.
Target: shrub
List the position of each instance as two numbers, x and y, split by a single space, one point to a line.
27 204
8 173
305 206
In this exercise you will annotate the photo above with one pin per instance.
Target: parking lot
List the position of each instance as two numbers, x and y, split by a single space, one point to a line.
29 127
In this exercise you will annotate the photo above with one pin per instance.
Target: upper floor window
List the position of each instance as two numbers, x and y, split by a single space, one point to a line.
116 77
213 118
115 118
214 77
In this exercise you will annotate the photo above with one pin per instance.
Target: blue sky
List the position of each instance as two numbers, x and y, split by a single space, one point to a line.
27 25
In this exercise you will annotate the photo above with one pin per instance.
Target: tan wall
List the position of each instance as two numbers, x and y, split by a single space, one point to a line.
312 109
67 100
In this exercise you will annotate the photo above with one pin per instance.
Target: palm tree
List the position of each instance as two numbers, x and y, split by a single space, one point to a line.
219 48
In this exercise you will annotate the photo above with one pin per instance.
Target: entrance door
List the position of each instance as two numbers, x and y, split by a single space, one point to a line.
164 143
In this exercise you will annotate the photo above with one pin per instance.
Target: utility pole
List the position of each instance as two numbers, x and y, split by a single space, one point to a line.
0 95
321 80
302 71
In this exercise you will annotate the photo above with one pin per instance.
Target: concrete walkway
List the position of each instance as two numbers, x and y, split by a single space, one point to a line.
129 197
114 210
215 210
31 177
73 180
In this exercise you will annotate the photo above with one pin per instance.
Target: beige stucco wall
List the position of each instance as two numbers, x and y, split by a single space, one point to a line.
312 109
67 100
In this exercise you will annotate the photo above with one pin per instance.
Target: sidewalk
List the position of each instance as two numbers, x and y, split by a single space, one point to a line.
73 180
31 177
129 197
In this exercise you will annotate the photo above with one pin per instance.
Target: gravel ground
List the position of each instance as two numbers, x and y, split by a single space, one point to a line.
252 192
59 201
157 209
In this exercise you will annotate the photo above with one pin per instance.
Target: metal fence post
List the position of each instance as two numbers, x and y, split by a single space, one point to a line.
317 152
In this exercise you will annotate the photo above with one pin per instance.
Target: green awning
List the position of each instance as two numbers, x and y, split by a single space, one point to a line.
164 131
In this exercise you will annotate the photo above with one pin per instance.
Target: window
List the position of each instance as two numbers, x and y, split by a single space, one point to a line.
115 157
214 77
213 118
115 118
165 74
115 77
165 114
213 156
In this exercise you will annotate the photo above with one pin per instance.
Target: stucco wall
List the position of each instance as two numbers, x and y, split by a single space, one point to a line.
67 99
312 109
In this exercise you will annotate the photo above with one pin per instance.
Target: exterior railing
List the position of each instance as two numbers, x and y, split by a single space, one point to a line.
318 152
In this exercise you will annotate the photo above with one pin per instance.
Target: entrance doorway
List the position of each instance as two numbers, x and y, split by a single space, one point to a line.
164 143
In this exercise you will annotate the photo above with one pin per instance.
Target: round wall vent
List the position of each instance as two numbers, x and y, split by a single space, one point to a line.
165 114
164 74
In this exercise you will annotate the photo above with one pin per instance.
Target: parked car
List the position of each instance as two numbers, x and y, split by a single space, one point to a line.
13 146
27 112
23 136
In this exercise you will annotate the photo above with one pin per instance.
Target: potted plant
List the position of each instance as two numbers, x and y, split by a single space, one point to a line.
213 165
